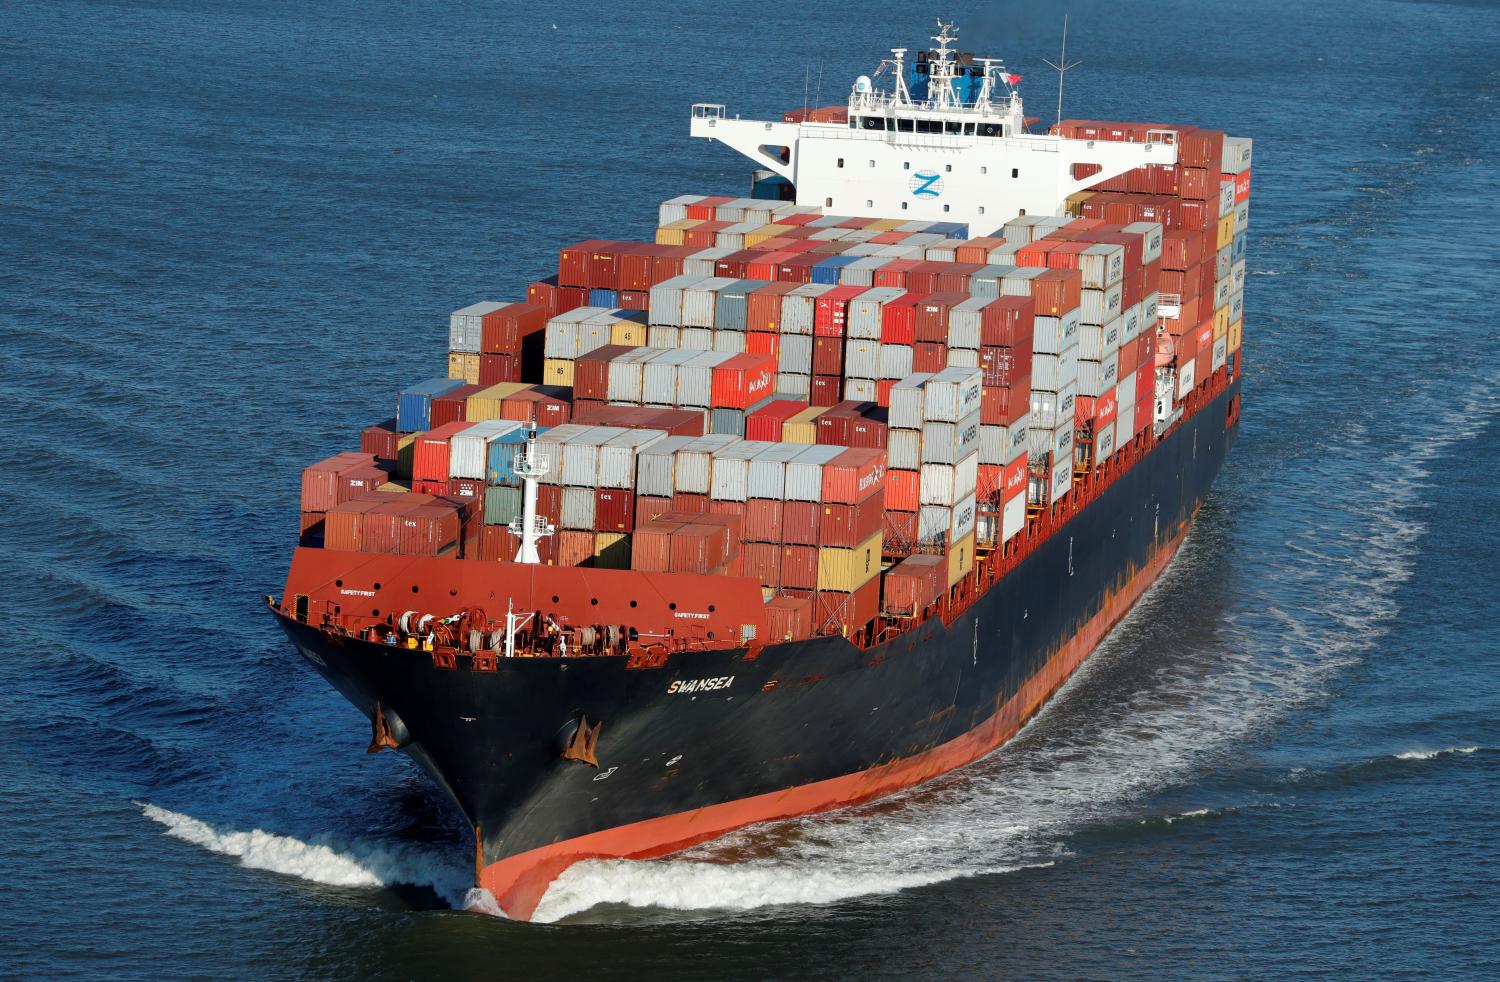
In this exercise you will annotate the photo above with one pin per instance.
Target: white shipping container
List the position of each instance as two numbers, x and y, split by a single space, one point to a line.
1098 377
1013 517
656 466
795 354
1102 265
1099 306
1185 379
1062 479
797 307
675 209
796 384
947 484
1018 283
768 470
863 389
1053 372
952 394
1221 293
1149 312
697 338
962 358
1051 335
965 323
1131 322
1221 353
947 443
1237 276
895 360
618 456
1003 444
730 480
664 302
861 358
578 508
1236 306
703 262
695 378
695 462
1226 197
1125 397
1050 408
1236 156
659 377
804 473
663 337
867 309
700 301
908 400
466 326
1151 237
941 525
1241 216
468 452
733 342
903 449
550 446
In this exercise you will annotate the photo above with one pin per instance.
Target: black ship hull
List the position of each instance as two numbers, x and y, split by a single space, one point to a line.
714 740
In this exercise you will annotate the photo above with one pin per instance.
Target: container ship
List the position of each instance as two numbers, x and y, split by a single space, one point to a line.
815 495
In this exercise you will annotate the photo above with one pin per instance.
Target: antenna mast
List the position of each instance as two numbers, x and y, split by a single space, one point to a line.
1062 65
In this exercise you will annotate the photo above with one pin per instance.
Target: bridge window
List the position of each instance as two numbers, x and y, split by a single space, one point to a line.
945 208
981 209
869 203
1015 172
827 202
874 122
984 170
903 206
872 163
968 129
929 126
954 129
841 161
904 125
948 168
991 129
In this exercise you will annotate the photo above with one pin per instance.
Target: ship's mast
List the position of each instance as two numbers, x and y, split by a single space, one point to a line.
530 465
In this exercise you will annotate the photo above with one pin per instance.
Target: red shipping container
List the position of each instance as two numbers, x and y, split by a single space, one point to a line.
914 584
799 566
742 381
343 525
1241 187
763 306
494 369
633 268
691 504
867 431
845 613
429 487
614 510
428 529
788 618
894 273
922 278
991 477
828 356
827 390
732 265
732 509
677 422
763 517
765 423
322 487
449 407
902 490
573 262
1065 254
1003 405
430 455
549 502
1008 322
929 356
954 278
704 210
832 426
978 250
762 343
1004 366
799 522
544 294
883 389
380 440
846 525
900 533
668 263
699 547
854 475
465 490
763 563
1035 254
898 319
651 546
648 508
634 300
1056 291
503 329
1013 479
591 371
574 548
831 311
932 315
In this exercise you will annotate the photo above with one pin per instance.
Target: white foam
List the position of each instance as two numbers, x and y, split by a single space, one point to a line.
324 858
1430 754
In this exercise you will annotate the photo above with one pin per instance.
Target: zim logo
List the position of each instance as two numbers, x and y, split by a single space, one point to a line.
926 184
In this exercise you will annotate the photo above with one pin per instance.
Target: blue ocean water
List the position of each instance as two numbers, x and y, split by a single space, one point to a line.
228 231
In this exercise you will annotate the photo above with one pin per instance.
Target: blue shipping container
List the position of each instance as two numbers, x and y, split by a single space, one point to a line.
500 467
604 298
827 271
414 404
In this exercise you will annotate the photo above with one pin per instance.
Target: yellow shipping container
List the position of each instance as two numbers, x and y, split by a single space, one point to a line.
1236 333
395 487
803 427
406 447
632 333
612 550
1226 230
885 224
668 236
1074 204
1221 322
462 364
557 371
485 404
763 233
846 570
960 559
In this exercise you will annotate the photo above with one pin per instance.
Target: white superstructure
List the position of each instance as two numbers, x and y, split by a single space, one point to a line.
944 141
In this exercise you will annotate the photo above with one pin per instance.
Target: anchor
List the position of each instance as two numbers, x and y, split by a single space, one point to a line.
583 743
381 737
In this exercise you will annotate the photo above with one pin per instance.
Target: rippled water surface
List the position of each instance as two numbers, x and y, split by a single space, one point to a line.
228 231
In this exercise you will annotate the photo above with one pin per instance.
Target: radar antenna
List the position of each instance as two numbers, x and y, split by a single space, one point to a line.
1062 65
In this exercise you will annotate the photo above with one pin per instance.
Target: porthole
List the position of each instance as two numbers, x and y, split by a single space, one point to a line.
375 612
672 605
554 598
338 582
712 608
415 588
452 591
710 635
376 586
593 601
632 603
